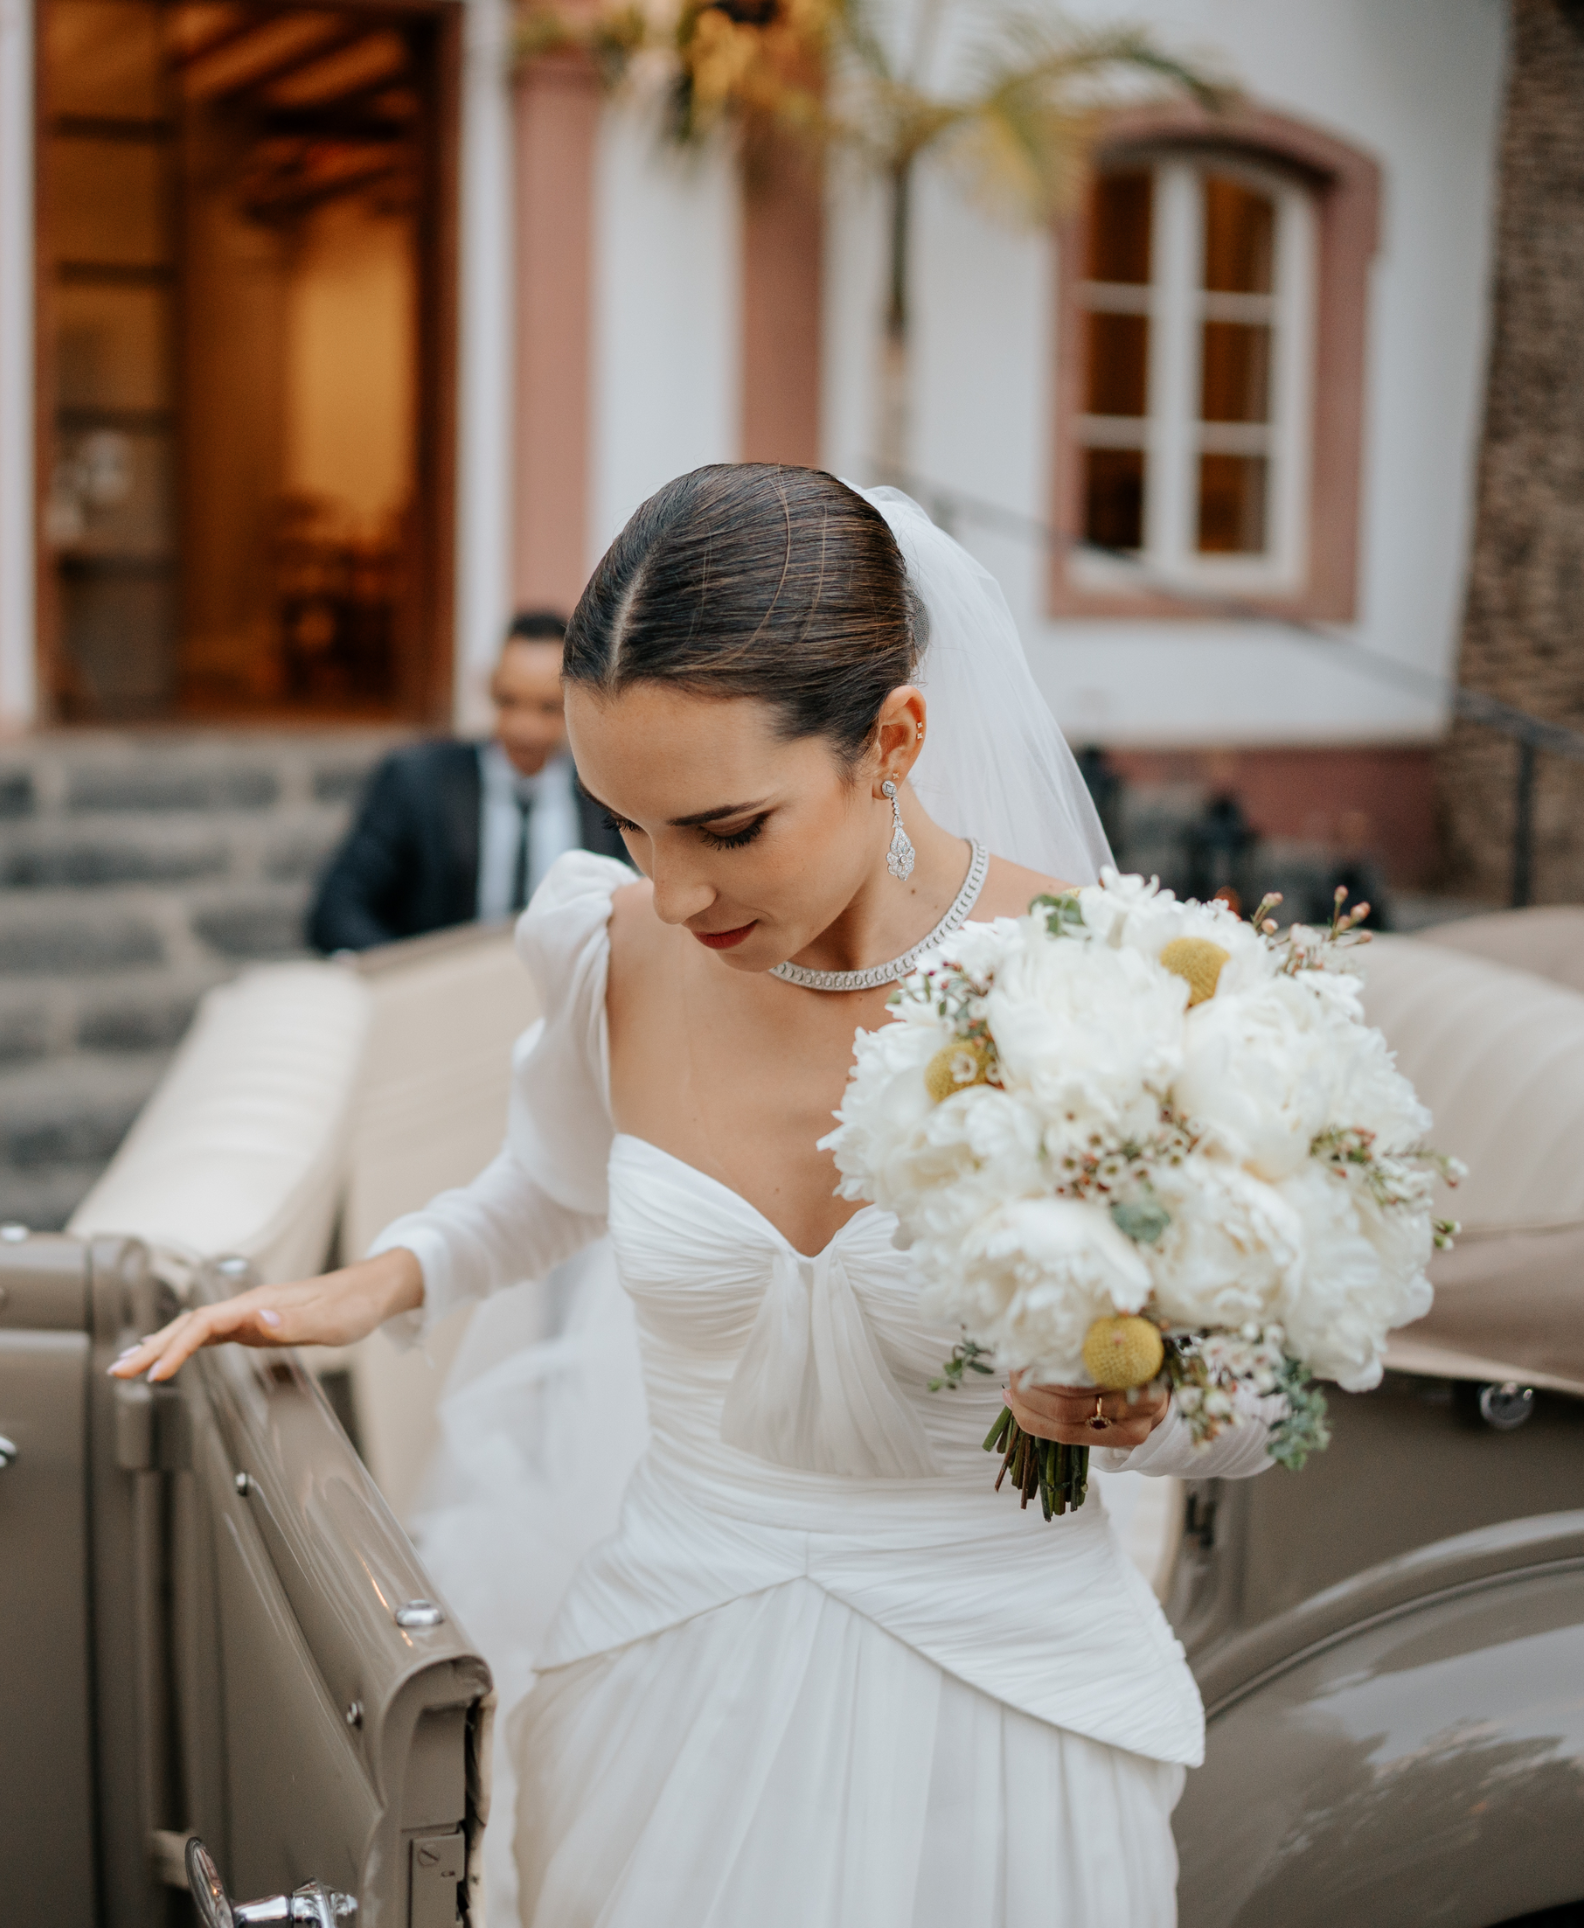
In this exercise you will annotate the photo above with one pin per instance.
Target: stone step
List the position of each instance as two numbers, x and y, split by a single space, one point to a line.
139 847
136 871
60 1121
136 1009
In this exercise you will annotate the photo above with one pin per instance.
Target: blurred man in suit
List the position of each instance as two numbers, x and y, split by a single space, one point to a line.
449 832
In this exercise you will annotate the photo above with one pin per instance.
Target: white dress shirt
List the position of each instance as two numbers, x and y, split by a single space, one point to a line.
553 826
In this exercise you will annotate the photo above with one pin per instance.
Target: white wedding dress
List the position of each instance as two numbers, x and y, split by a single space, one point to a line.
820 1673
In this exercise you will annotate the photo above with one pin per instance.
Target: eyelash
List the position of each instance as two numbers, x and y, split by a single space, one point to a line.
738 840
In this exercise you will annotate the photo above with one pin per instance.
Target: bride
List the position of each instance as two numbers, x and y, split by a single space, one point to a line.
819 1673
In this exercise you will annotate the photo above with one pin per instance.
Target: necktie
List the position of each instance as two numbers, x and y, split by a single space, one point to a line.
519 896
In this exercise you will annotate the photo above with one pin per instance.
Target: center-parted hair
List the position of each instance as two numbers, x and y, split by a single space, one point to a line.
751 579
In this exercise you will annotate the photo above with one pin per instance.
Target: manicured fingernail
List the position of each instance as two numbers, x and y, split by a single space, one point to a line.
126 1352
269 1318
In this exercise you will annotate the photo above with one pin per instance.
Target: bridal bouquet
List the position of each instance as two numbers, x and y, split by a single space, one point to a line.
1128 1137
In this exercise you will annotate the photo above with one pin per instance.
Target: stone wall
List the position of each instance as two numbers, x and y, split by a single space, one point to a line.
135 872
1523 638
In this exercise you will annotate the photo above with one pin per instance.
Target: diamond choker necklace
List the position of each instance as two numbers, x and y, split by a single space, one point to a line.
878 974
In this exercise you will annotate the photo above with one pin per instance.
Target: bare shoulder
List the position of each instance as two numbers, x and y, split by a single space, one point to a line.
634 928
1009 889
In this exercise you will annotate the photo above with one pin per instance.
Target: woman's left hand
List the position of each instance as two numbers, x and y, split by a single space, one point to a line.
1067 1413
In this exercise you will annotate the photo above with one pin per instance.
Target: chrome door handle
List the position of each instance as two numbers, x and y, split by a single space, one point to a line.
8 1452
313 1903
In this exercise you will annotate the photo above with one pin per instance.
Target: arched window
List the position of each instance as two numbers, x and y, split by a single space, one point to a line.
1210 287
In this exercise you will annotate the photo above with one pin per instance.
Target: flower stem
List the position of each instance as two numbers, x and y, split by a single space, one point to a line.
1058 1474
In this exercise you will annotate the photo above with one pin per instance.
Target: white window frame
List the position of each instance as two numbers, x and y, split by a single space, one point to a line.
1171 434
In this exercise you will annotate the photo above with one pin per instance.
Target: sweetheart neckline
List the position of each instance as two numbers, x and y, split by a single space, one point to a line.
809 1258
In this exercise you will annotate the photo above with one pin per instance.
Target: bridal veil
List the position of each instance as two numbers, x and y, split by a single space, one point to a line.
996 766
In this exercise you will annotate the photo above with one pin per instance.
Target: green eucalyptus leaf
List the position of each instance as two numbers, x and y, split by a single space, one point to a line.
1140 1219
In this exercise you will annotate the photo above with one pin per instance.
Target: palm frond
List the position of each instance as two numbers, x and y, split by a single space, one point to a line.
1027 125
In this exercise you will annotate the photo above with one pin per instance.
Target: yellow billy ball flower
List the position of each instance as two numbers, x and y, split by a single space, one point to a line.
1198 963
956 1066
1123 1352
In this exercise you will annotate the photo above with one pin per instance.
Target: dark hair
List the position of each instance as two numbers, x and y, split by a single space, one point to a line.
536 626
750 579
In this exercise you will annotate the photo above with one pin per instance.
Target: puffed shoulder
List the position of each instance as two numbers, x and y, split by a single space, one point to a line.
559 1119
569 911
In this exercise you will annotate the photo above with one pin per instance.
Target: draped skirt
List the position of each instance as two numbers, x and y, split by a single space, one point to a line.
782 1761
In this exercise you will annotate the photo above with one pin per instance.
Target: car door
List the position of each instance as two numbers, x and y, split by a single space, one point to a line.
213 1627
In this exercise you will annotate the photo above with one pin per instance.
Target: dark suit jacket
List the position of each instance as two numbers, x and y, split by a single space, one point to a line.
410 862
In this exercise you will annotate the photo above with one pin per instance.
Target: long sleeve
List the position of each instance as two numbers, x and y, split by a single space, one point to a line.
1237 1453
474 1240
543 1196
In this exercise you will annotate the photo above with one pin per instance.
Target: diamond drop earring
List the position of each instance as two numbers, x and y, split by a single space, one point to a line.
899 858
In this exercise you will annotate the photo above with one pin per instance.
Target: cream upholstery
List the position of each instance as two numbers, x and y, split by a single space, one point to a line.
1548 940
1498 1055
241 1148
430 1113
310 1092
1499 1059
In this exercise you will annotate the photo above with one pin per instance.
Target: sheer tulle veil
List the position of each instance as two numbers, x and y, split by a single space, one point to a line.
996 765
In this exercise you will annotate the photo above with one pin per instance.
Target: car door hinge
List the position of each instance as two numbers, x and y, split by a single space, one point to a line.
439 1868
153 1430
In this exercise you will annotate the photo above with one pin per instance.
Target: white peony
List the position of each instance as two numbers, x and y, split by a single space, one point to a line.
1093 1035
1345 1297
1258 1074
1230 1249
977 949
1108 905
885 1105
1369 1093
1031 1279
972 1153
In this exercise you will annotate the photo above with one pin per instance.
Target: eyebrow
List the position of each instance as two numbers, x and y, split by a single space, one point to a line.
691 822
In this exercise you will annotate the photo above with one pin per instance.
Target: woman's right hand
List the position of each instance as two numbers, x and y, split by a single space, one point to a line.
334 1310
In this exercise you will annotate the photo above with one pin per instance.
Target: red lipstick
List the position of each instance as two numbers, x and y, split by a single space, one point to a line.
724 940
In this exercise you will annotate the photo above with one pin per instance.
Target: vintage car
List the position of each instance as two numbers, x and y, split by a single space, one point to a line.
225 1669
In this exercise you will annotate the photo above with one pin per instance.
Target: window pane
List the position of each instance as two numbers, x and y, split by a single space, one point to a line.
107 202
116 626
1232 505
103 58
111 494
112 347
1119 228
1235 375
1118 365
1240 233
1114 498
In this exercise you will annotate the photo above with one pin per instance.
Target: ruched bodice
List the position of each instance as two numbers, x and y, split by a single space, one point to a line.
814 1362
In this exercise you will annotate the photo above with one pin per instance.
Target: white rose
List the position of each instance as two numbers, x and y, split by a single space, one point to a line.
1345 1297
1094 1035
1257 1074
1231 1245
1033 1277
